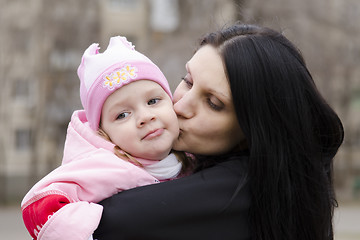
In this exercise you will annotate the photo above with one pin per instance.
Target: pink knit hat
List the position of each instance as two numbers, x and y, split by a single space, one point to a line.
101 74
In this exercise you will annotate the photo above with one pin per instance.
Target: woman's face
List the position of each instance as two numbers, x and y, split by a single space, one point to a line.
203 103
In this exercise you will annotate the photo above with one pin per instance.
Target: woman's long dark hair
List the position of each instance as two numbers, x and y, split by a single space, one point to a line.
292 133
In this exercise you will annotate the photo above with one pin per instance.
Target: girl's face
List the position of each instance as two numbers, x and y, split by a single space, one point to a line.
140 119
203 103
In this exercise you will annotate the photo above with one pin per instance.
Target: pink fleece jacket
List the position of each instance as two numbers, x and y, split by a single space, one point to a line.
66 198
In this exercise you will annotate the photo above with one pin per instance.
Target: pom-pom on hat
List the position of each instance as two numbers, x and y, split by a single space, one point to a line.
101 74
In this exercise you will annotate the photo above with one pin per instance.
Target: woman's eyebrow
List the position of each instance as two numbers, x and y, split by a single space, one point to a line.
212 91
223 95
187 68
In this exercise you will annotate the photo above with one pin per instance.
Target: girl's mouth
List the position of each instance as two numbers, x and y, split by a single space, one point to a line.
153 134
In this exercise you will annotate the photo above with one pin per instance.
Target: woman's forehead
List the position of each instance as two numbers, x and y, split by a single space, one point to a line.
206 69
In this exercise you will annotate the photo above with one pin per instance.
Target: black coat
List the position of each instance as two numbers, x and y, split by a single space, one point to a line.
194 207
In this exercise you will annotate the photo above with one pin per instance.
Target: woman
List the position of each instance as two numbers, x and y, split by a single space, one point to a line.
264 140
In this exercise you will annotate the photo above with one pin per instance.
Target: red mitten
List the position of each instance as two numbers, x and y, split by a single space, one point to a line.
36 214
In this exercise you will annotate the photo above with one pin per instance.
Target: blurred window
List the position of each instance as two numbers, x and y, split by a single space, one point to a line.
63 60
20 40
24 92
21 89
128 4
23 139
165 15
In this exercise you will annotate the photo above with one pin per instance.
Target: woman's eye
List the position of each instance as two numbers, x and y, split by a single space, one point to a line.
153 101
187 81
215 104
122 115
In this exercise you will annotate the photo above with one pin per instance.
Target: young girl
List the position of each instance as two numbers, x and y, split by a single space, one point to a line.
128 111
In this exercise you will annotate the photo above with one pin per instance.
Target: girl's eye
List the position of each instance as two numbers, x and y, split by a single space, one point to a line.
187 81
122 115
153 101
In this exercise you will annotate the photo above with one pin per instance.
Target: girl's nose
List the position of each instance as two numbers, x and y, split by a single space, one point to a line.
145 116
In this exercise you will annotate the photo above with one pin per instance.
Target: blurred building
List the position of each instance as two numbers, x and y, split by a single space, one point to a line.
41 46
40 50
126 17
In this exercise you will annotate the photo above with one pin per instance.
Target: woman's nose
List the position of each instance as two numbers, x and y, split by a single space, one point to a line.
185 106
145 116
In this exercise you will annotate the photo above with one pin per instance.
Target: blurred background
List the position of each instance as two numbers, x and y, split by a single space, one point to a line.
42 41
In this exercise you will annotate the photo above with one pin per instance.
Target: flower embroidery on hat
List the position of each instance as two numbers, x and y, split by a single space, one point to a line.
120 76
